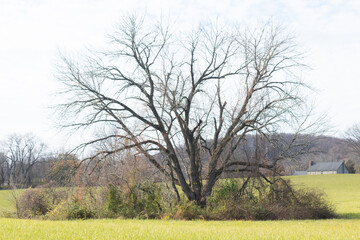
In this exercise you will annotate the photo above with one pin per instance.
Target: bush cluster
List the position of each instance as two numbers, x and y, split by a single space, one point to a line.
257 200
249 199
33 202
138 201
141 201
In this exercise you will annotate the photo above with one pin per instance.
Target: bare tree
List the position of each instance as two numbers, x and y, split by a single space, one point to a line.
21 153
187 97
353 138
3 169
61 169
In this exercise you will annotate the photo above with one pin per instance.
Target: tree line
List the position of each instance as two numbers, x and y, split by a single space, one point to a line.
24 161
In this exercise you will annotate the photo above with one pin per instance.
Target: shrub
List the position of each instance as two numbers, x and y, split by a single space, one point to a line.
78 209
259 200
263 213
56 195
59 212
137 201
189 211
113 200
312 205
32 203
249 199
151 200
229 188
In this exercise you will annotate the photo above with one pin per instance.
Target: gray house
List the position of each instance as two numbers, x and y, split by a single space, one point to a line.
324 168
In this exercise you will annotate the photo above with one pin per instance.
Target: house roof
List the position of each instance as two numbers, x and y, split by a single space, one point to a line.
325 166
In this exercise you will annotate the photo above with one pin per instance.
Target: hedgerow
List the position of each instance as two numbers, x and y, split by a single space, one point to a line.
249 199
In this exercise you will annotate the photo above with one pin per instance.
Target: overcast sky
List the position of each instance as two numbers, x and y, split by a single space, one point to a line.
33 31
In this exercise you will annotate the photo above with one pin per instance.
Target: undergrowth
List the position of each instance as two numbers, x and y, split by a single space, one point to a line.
249 199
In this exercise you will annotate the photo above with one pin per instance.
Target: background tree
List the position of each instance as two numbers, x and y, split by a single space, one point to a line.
63 169
3 169
180 98
353 137
353 140
21 153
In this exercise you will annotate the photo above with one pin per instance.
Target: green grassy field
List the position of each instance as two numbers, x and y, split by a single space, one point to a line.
342 190
157 229
7 203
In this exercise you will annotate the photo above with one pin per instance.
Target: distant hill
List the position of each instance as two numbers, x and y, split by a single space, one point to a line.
324 149
305 148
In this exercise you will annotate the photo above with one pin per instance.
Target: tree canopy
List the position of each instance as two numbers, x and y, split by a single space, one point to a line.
177 97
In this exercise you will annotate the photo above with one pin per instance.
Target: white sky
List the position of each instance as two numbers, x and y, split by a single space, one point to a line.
32 32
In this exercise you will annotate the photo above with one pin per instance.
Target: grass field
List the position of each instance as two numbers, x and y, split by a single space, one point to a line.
188 230
342 190
7 203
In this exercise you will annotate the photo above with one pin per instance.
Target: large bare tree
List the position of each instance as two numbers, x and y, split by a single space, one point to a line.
189 97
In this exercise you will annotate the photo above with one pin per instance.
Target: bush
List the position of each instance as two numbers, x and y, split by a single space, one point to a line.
312 205
79 211
249 199
263 213
258 200
113 200
59 212
189 211
229 188
32 202
137 201
151 200
77 208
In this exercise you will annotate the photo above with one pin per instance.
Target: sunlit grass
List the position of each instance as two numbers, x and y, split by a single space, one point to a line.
158 229
342 190
7 200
